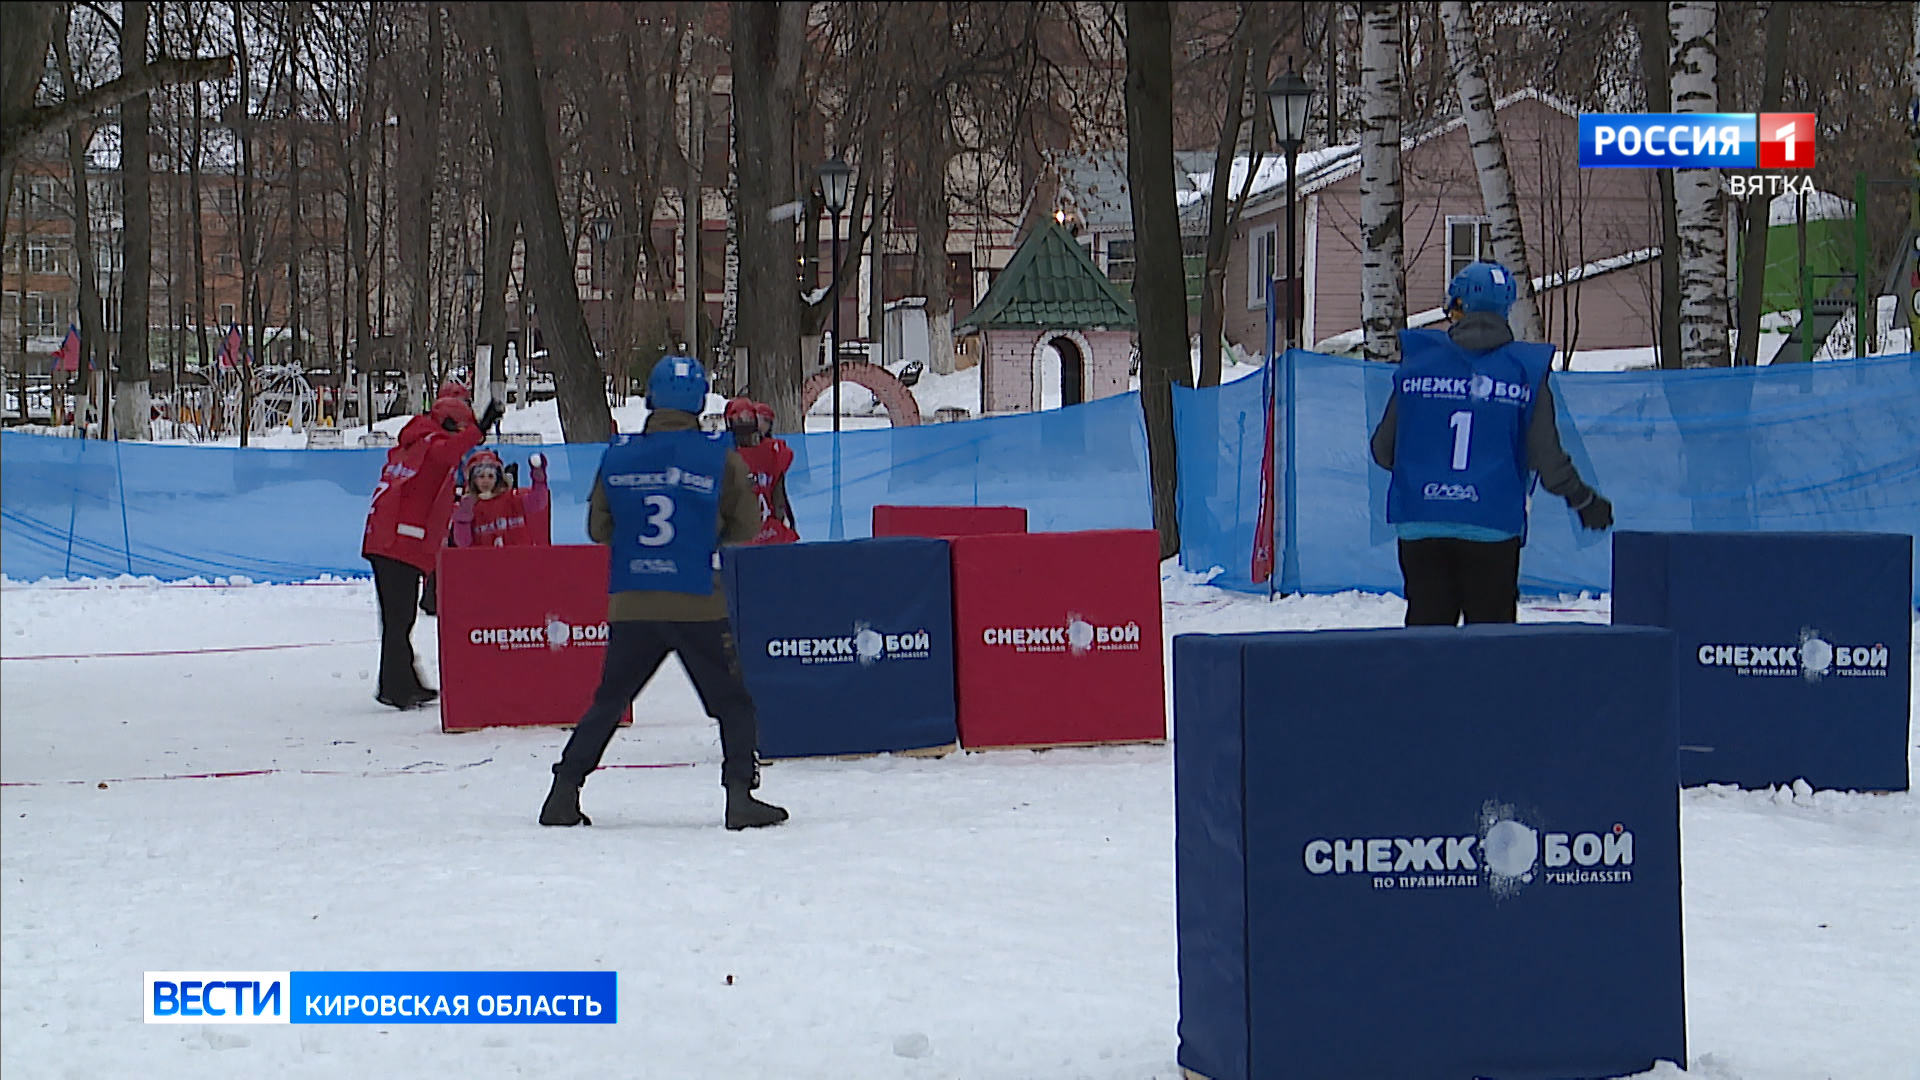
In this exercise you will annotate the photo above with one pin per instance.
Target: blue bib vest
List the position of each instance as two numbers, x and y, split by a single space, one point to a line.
664 492
1460 451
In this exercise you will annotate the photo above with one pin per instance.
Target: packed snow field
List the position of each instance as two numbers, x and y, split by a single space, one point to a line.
993 915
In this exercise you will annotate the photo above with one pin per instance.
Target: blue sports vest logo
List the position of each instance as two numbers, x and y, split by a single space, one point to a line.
664 492
1460 450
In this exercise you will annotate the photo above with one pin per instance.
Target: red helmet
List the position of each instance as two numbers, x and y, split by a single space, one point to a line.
763 410
455 389
740 410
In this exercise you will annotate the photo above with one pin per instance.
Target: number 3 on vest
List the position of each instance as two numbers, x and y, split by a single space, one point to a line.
1462 424
659 521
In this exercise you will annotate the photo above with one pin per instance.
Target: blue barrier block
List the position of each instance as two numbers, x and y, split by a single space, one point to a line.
1795 651
1428 853
846 646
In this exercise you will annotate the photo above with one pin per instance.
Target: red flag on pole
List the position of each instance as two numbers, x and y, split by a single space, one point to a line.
68 358
1263 529
230 349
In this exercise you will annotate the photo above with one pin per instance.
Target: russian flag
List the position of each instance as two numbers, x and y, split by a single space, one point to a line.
68 358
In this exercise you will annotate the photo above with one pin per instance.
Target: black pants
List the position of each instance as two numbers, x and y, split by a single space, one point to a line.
1447 579
635 651
398 586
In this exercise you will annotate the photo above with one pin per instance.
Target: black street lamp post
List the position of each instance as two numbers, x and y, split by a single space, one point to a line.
1289 97
833 190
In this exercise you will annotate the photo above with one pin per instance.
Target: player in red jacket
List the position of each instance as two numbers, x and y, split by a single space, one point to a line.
768 459
407 524
494 514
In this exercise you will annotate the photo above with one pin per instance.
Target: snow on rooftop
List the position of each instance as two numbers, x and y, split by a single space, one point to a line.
1271 174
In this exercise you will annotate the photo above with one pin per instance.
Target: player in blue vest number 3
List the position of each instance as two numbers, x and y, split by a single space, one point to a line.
1469 425
664 501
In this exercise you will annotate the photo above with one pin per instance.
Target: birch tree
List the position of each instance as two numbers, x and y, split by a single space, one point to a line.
1696 192
1383 275
1490 161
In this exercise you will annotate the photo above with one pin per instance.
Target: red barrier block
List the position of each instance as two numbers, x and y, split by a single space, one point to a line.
523 634
1057 639
942 522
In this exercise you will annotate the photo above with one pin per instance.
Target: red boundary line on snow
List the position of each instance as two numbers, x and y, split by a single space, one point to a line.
302 772
191 652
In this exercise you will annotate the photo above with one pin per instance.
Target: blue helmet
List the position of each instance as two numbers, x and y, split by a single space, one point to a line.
1483 286
677 382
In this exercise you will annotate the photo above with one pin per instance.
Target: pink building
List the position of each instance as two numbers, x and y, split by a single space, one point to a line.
1592 235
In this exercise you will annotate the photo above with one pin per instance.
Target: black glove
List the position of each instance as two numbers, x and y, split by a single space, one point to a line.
1596 513
495 410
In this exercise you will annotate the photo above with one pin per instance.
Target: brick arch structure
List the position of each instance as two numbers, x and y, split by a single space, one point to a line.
1083 378
902 409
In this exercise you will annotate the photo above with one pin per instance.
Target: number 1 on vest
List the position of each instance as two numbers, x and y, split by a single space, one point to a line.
1462 424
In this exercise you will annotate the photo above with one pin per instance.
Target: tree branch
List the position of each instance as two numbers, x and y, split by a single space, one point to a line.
167 71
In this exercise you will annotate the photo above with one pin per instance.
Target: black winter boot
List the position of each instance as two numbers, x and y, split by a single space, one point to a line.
563 805
746 812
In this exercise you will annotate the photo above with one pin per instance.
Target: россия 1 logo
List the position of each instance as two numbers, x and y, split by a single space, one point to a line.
1697 141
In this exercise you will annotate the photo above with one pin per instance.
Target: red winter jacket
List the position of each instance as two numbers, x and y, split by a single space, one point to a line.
768 460
413 505
516 518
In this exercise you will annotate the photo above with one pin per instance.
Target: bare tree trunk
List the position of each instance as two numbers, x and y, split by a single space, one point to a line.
133 403
1490 161
692 210
1652 15
419 153
1383 274
1213 289
580 393
1703 239
1759 208
766 42
496 257
1160 285
930 237
1330 36
249 277
93 335
296 347
359 254
197 149
26 29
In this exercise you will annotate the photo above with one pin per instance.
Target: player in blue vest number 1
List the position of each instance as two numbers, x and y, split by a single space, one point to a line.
1469 426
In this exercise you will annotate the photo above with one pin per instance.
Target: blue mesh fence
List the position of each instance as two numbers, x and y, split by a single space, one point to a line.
85 508
1829 446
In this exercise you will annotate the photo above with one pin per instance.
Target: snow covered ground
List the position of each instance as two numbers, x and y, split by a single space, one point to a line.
993 915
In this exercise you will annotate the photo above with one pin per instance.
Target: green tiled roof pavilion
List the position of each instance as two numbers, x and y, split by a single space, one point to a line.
1051 284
